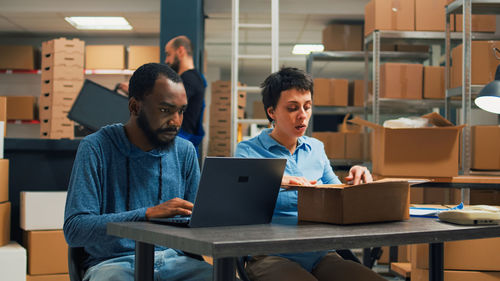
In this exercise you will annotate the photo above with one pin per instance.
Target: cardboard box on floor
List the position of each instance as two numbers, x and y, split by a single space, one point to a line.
401 81
330 92
5 210
483 63
343 37
419 152
17 57
13 262
139 55
349 204
434 82
4 180
389 15
104 57
485 147
21 107
477 254
47 252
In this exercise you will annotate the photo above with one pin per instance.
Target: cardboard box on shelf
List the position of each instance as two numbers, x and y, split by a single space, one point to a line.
485 197
4 180
57 125
384 47
403 254
343 37
483 63
13 262
47 251
222 145
42 210
219 132
485 148
17 57
3 113
333 142
21 107
331 92
73 72
420 152
401 81
477 254
434 82
104 57
418 274
48 277
258 110
63 45
54 111
354 146
389 15
61 60
348 204
430 15
139 55
412 48
479 23
5 223
2 135
55 87
356 93
62 99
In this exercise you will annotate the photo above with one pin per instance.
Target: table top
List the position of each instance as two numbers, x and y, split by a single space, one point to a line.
286 235
471 181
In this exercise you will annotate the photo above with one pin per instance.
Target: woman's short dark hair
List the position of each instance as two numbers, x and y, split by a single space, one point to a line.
285 79
143 80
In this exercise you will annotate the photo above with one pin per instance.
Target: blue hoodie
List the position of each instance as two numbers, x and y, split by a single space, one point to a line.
114 181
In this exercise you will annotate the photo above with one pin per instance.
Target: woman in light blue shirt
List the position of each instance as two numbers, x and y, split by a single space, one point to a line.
287 98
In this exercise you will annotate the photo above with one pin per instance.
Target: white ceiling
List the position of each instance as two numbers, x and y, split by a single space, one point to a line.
300 22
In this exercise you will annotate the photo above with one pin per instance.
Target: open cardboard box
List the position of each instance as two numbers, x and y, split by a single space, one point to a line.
415 152
384 200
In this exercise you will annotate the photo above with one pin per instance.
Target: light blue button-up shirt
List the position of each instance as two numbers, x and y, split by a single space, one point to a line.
309 161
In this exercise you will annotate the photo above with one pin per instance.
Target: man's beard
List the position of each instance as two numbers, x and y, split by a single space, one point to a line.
175 65
152 136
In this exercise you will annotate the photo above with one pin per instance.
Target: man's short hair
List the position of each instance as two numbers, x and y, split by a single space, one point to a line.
143 80
184 42
285 79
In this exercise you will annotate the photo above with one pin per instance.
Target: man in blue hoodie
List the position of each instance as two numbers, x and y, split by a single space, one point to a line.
135 172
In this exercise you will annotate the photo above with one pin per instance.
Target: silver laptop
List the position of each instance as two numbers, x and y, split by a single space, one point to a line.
234 191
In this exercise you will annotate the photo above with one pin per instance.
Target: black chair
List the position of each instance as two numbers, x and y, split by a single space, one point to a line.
76 256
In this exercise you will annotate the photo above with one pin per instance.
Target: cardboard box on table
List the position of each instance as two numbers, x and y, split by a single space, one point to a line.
389 15
349 204
419 152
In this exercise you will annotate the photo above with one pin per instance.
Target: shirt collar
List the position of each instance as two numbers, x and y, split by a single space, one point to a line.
268 142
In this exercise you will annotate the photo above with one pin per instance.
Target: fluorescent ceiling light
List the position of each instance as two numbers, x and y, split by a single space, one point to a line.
305 49
99 23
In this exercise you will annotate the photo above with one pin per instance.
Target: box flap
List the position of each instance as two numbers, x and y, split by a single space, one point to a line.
437 120
361 122
344 186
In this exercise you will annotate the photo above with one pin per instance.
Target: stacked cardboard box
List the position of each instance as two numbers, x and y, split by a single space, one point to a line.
5 206
42 218
434 82
3 122
13 262
62 78
343 145
401 81
343 37
357 92
483 63
389 15
331 92
220 118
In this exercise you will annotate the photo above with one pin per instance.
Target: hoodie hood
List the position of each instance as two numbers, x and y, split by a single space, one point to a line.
116 133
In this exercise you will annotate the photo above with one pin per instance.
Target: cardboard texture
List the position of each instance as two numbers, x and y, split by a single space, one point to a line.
48 277
334 143
483 63
479 23
2 135
420 152
389 15
258 110
401 81
477 254
4 180
434 82
330 92
13 262
451 275
403 254
350 204
5 210
71 72
17 57
430 15
63 45
485 147
3 113
485 197
65 86
139 55
47 252
59 99
356 93
104 57
343 37
42 210
20 107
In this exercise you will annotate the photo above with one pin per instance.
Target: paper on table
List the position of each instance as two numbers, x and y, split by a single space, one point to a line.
431 212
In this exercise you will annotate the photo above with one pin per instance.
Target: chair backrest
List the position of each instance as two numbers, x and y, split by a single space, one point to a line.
76 256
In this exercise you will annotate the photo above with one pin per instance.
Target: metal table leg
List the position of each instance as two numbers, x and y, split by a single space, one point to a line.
436 262
144 260
224 269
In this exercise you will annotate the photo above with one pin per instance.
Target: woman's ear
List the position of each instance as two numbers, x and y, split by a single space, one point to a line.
270 112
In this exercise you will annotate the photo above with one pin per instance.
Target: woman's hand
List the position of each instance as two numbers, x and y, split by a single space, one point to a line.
358 174
291 180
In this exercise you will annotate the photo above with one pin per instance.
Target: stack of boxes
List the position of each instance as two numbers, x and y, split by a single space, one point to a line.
62 78
42 219
220 118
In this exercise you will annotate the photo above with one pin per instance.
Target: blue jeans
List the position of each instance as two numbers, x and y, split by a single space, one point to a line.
168 266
